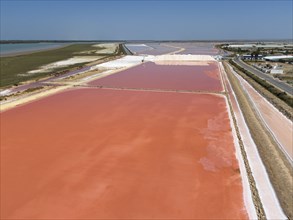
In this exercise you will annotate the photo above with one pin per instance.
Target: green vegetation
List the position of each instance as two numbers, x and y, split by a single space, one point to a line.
277 92
33 89
255 50
29 90
14 68
288 78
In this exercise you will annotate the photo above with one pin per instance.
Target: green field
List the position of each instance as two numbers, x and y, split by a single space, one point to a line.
21 64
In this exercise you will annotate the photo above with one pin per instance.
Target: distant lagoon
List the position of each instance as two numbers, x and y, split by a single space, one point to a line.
19 48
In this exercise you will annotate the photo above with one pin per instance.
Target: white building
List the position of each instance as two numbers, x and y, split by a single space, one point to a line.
277 58
277 70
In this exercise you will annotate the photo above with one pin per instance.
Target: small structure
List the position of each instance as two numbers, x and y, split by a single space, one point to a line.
277 70
286 58
246 57
218 57
251 57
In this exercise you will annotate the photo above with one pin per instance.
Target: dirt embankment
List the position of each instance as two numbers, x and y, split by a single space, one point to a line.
255 194
269 95
278 167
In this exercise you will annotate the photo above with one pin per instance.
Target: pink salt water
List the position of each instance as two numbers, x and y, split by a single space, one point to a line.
102 153
173 77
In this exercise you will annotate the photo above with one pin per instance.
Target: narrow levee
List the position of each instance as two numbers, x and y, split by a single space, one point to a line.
274 120
274 179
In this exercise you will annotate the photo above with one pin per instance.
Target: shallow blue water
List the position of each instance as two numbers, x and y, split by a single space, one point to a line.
9 49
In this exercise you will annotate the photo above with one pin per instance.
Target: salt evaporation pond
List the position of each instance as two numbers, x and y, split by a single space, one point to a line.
158 49
204 76
138 48
96 153
198 48
101 153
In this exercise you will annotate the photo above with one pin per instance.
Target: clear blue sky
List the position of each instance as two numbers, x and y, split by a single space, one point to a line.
150 20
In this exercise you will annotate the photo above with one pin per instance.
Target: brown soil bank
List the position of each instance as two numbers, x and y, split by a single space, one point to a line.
279 169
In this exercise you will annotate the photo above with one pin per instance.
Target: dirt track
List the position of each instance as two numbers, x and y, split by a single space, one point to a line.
279 169
281 127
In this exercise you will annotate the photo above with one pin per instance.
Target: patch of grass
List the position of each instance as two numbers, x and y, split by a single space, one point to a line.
288 78
29 90
10 67
33 89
